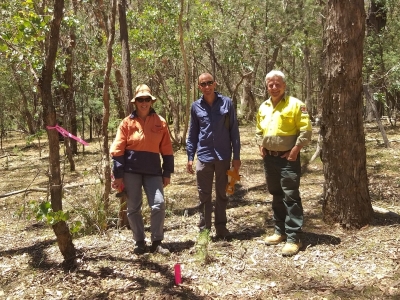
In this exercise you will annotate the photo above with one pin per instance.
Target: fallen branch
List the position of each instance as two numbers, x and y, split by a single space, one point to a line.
23 191
317 151
378 119
45 189
72 185
385 211
6 155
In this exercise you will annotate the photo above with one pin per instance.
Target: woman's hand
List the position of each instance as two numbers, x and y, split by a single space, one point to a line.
117 183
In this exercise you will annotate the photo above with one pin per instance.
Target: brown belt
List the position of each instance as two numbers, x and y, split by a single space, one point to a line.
275 153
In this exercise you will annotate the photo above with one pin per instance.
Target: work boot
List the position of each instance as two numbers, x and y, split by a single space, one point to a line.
291 248
202 225
157 248
222 232
275 239
140 247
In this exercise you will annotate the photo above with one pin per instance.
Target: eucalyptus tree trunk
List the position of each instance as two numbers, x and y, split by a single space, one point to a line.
125 81
68 150
375 69
308 81
247 101
61 230
377 116
69 101
346 198
69 98
248 105
186 69
106 107
26 113
173 108
118 92
25 107
126 57
69 93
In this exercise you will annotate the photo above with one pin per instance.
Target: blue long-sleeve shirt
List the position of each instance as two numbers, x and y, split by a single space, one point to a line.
214 130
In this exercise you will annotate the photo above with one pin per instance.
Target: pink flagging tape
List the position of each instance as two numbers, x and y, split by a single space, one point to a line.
65 133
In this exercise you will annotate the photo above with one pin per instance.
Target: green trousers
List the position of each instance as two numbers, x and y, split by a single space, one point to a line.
283 180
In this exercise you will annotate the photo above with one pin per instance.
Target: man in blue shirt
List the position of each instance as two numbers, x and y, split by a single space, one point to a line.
214 136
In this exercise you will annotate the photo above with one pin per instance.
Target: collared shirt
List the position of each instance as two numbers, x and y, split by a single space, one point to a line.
138 145
282 127
214 130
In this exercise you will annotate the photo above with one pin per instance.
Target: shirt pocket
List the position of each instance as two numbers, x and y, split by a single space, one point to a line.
157 131
223 116
287 122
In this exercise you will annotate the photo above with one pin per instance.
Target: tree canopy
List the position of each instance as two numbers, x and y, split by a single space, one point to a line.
237 41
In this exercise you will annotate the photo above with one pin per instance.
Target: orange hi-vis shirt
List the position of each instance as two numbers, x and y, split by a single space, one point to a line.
138 145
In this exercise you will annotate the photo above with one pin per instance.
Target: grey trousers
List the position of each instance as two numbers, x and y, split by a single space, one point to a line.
153 187
205 176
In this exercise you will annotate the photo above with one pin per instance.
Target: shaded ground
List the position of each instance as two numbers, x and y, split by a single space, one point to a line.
333 264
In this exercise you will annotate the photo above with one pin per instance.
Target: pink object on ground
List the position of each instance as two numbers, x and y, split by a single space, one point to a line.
178 277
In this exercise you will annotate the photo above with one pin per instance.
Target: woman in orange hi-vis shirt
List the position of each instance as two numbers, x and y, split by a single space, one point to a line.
140 139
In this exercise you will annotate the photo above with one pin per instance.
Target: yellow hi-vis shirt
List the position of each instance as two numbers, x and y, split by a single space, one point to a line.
283 127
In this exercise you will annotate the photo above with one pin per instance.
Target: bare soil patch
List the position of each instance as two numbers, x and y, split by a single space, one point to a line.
333 264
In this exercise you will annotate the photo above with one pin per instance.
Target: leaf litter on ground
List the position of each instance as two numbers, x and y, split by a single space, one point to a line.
333 264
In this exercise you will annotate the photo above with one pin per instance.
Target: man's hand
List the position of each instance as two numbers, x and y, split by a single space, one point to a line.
236 163
292 154
262 151
166 181
189 167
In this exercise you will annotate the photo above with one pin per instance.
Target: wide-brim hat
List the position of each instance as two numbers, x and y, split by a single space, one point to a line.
143 90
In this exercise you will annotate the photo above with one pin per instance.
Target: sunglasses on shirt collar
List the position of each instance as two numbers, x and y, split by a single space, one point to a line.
206 83
141 100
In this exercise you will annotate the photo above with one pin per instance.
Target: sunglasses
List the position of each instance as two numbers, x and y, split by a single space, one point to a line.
206 83
141 100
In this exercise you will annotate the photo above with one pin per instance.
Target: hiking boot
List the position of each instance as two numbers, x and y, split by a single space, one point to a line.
275 239
140 247
157 248
222 232
291 248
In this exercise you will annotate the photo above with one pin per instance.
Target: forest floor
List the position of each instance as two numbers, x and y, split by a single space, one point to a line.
333 263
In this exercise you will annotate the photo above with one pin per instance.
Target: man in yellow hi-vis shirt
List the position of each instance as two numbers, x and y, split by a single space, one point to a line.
283 128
